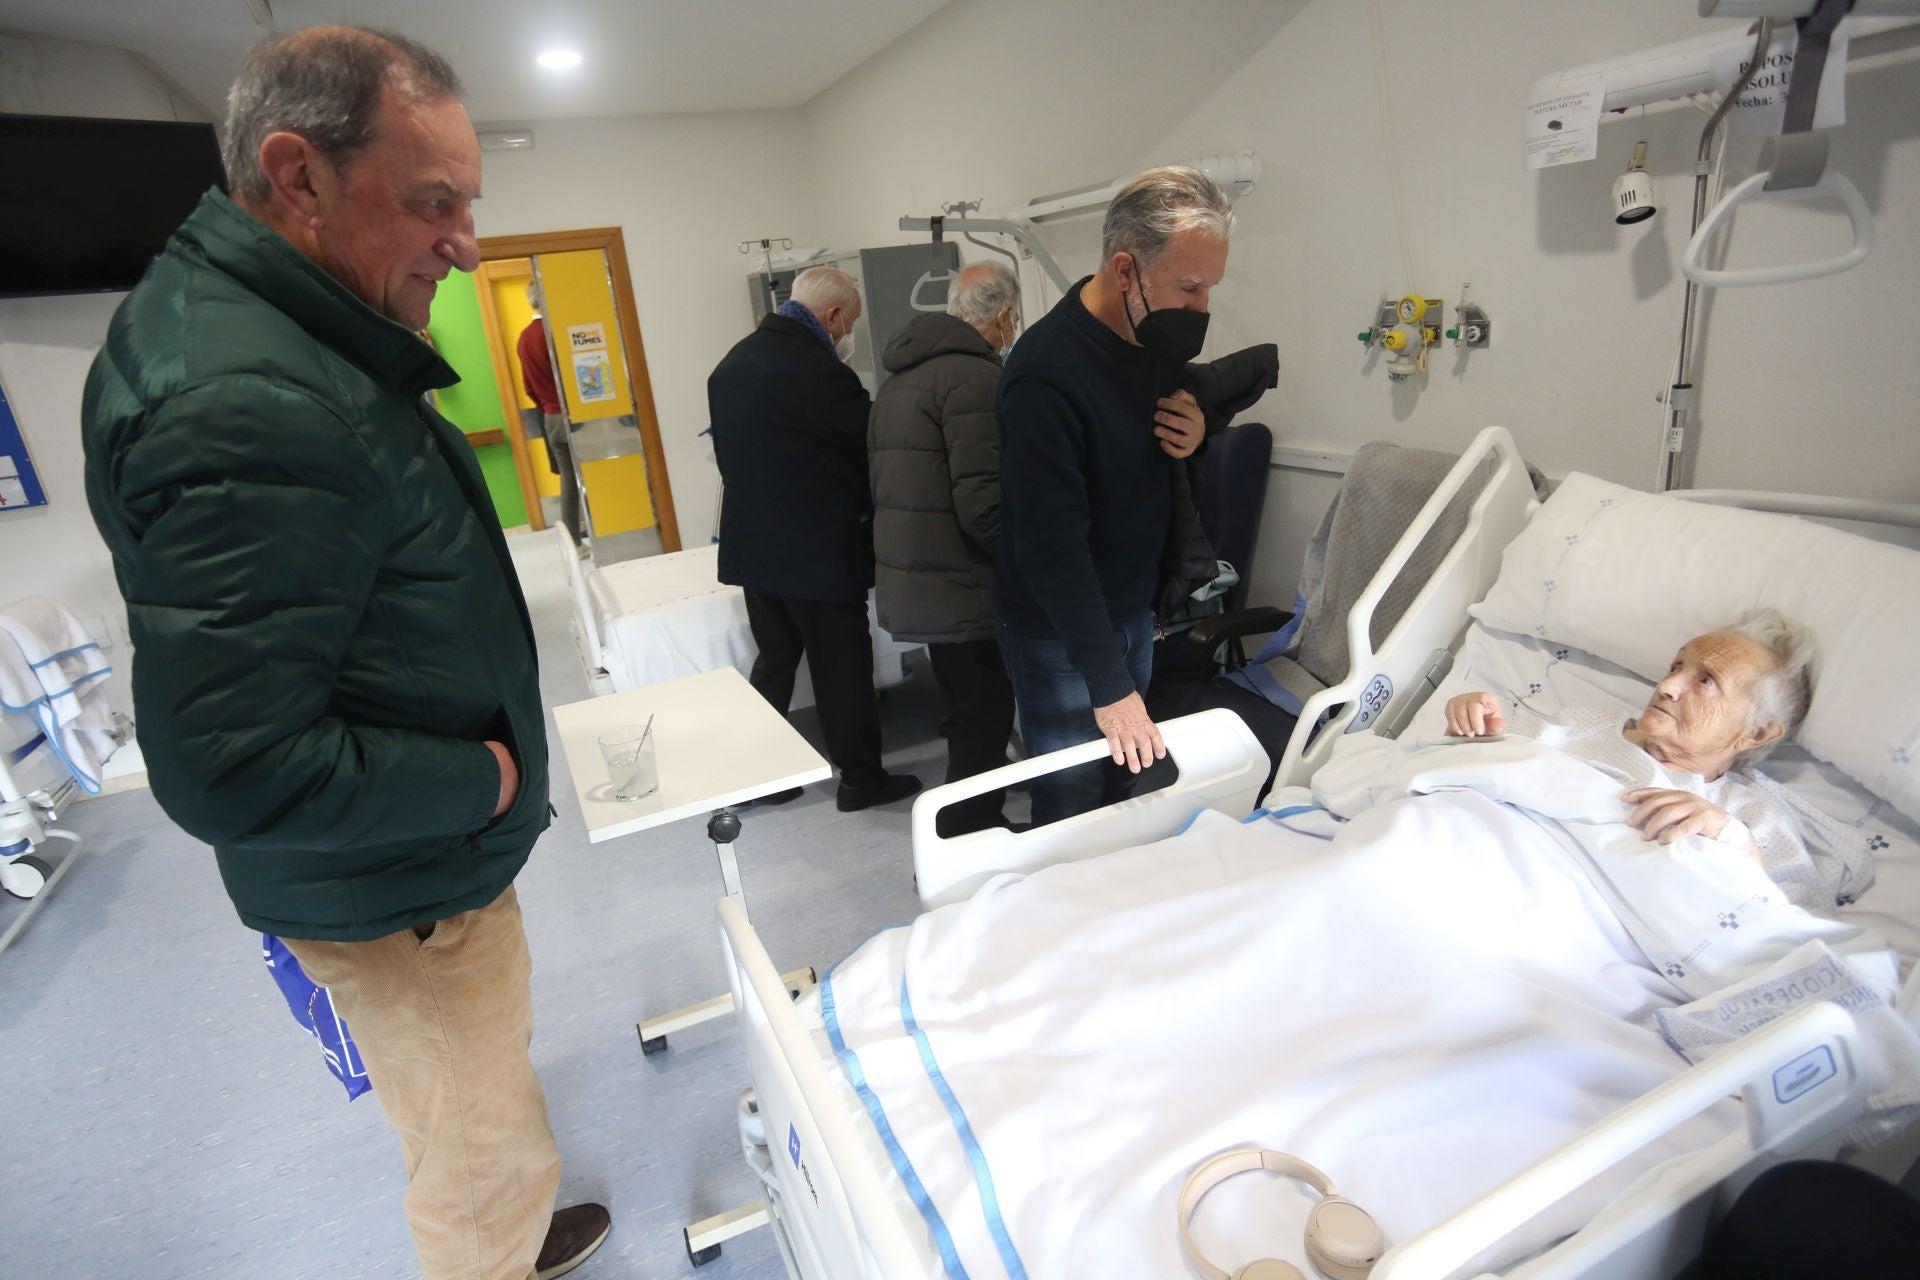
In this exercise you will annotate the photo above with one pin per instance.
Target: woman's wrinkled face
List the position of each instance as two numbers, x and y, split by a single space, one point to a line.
1700 714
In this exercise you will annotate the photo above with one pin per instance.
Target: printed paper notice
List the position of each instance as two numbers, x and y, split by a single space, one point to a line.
1563 122
592 371
1762 106
593 377
12 492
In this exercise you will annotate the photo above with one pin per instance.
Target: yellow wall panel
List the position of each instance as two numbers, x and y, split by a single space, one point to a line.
516 313
589 361
617 490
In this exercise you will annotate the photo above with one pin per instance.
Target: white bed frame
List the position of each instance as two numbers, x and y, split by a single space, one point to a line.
828 1201
34 790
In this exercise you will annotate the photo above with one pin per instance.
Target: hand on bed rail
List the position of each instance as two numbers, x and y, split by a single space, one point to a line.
1132 736
1474 715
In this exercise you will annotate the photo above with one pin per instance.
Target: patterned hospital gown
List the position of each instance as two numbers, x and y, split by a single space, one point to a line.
1764 813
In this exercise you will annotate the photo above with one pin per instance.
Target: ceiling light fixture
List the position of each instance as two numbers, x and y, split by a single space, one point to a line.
559 59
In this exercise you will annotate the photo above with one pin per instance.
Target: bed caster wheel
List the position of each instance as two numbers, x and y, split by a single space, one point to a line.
701 1257
656 1045
25 876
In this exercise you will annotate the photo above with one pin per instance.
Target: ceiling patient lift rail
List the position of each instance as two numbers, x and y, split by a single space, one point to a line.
1021 233
1793 163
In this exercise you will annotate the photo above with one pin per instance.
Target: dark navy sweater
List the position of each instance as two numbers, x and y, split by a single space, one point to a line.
1086 492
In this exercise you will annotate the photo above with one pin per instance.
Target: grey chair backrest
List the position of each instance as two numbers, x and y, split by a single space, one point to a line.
1385 487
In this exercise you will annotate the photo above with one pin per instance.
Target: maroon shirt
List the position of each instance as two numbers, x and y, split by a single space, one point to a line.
536 367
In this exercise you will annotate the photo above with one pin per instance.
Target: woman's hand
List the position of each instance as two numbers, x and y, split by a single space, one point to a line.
1668 816
1474 715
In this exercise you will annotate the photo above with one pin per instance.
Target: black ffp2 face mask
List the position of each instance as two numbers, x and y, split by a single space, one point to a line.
1175 335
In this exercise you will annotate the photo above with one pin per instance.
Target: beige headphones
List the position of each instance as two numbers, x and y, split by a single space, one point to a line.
1342 1240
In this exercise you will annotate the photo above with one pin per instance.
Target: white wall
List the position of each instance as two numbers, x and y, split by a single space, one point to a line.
43 77
684 189
1809 387
47 345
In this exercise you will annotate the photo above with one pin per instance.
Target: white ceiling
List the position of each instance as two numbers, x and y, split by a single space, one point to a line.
641 56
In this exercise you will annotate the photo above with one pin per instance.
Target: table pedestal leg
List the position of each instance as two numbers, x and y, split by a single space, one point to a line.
723 828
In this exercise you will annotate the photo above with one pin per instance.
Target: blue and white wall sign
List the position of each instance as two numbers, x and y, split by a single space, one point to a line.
19 486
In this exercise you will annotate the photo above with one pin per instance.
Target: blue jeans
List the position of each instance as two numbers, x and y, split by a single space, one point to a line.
1056 711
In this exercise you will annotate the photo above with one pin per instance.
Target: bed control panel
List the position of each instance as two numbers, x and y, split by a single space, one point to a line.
1804 1074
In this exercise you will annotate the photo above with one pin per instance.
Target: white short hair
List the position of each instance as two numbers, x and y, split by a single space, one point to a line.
1160 204
818 288
1781 695
981 292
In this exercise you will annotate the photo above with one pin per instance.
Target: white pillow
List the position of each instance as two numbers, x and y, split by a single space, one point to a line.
1631 576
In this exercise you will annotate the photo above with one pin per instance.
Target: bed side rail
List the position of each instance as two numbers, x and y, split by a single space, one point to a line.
1383 687
1799 1080
1221 767
583 611
833 1205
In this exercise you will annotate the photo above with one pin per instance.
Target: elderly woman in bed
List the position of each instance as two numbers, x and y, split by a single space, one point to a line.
1728 697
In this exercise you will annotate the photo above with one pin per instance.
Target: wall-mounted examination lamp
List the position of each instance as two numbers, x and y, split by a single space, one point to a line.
1633 190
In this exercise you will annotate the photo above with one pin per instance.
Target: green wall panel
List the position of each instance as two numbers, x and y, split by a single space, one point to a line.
473 403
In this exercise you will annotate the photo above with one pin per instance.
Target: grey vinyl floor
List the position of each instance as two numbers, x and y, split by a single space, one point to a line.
163 1117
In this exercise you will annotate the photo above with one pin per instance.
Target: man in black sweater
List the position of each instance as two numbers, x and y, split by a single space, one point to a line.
790 437
1091 422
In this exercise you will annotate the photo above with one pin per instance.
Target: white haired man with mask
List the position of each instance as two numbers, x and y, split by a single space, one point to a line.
796 533
934 452
1092 418
1728 698
335 671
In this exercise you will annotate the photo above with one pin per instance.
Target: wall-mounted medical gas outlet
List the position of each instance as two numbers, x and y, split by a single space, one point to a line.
1405 327
1471 328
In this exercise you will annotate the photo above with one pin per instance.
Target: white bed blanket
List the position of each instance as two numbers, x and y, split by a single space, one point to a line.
1704 912
1421 1001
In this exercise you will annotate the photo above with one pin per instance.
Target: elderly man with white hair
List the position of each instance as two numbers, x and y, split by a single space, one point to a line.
1728 698
790 436
934 451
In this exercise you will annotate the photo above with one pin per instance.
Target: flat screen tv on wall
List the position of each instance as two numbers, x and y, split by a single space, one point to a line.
86 204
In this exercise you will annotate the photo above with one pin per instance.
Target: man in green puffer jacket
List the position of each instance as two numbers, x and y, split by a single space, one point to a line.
334 670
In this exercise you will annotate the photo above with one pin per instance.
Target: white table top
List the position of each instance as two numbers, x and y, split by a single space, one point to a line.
716 739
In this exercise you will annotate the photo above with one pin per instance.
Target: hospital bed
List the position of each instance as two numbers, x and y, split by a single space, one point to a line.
833 1191
661 617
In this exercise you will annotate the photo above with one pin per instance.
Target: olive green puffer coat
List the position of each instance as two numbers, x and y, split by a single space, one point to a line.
326 622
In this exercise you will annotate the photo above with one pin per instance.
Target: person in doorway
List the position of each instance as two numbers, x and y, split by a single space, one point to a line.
1091 416
536 376
934 450
336 678
790 436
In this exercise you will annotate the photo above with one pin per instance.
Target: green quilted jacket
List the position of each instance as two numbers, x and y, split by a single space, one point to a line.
326 623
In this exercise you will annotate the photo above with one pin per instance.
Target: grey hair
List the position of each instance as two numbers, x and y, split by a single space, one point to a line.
981 292
1782 695
533 294
1160 204
818 288
324 84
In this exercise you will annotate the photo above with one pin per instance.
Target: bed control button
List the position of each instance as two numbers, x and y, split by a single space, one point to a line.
1805 1073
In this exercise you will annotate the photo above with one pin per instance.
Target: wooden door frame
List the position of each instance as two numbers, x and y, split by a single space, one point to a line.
483 279
610 241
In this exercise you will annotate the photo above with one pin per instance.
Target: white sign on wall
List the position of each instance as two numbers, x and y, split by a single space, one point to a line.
1762 106
1562 124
